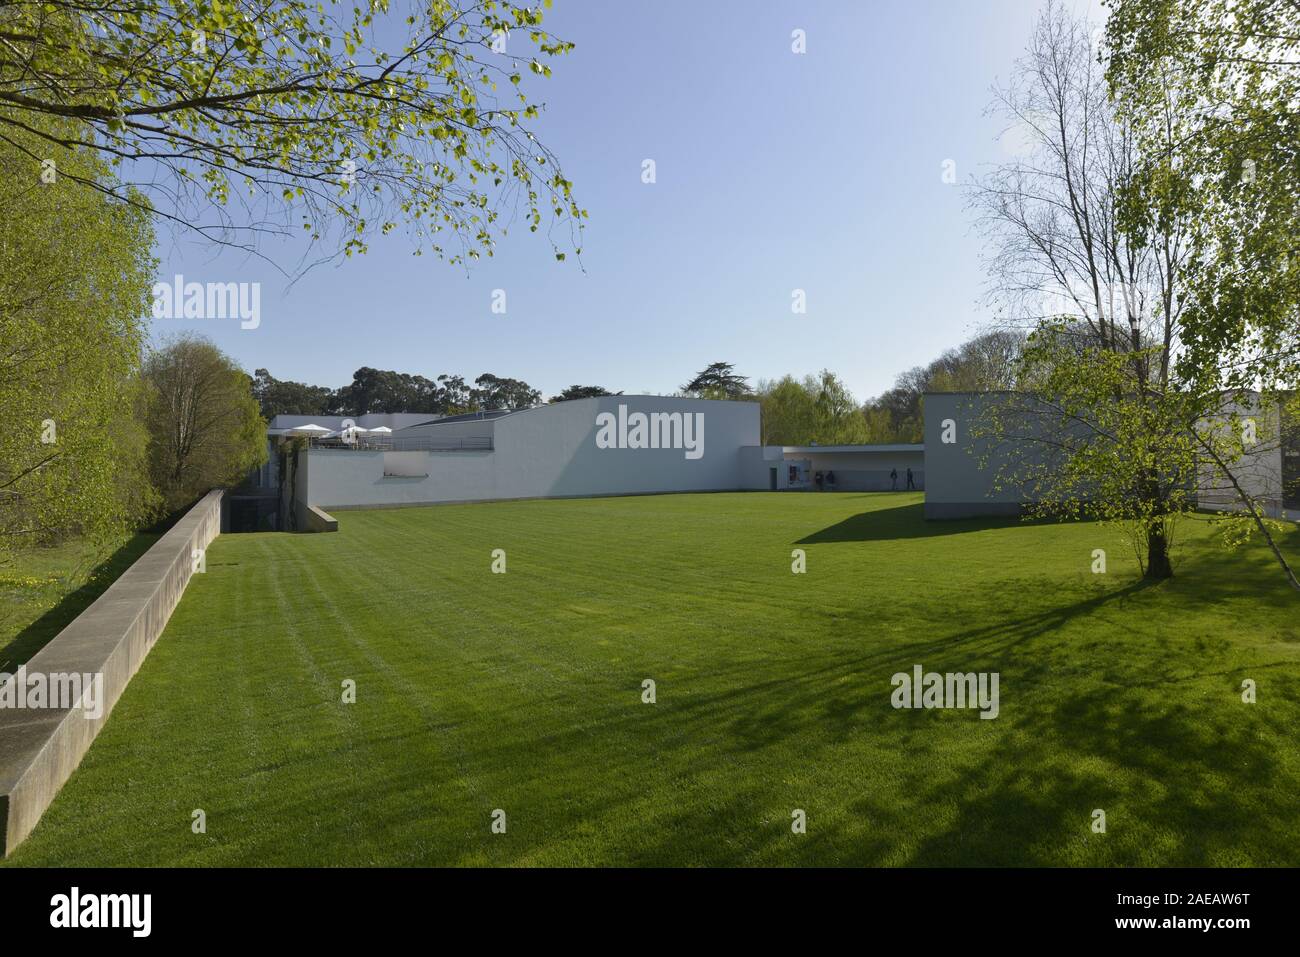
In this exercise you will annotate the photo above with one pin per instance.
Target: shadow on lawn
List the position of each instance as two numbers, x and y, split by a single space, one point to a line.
1183 780
1205 790
745 723
38 634
907 521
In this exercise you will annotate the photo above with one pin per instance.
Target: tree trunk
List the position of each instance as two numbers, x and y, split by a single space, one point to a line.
1158 566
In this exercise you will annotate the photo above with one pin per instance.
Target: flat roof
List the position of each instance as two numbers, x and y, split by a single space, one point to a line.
917 447
485 415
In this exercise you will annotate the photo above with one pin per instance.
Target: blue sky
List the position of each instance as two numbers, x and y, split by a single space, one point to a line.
775 172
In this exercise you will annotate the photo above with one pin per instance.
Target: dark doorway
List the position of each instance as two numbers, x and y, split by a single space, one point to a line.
243 515
253 513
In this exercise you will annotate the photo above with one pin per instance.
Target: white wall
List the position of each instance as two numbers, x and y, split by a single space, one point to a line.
549 452
341 478
1258 470
757 462
958 486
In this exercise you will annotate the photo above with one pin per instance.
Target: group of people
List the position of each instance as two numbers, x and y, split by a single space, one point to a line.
825 480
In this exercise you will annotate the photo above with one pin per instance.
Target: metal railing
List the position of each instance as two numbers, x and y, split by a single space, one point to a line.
422 443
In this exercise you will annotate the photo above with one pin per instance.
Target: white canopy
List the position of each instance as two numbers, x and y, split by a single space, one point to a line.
382 428
311 428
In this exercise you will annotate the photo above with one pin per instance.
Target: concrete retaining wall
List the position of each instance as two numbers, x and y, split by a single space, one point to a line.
39 749
313 519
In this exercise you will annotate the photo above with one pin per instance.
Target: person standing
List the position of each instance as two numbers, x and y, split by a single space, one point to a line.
910 484
893 480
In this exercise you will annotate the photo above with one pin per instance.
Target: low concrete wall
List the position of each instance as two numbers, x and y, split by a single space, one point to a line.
39 749
313 519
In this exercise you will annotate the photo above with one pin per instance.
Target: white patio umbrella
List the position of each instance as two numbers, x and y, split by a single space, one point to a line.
311 428
382 428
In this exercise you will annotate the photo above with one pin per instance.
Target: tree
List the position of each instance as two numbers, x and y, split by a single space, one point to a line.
718 381
820 409
1116 422
281 397
582 392
492 393
383 390
314 116
988 362
839 420
374 390
1059 261
895 415
789 412
75 274
454 395
204 426
1223 78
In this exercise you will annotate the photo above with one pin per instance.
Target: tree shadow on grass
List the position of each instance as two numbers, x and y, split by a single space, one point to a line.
908 521
1198 793
38 634
761 714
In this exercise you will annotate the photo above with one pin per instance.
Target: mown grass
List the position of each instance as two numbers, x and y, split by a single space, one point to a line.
523 692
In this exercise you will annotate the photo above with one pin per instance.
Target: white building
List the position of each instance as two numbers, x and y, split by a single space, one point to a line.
962 469
614 445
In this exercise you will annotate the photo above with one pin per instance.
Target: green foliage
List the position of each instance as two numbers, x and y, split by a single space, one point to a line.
205 430
493 393
1094 446
819 409
1108 427
582 392
1210 88
718 380
75 274
987 362
789 412
382 390
319 115
277 396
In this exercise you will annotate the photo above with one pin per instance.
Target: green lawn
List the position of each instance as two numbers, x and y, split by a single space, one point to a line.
522 691
43 589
